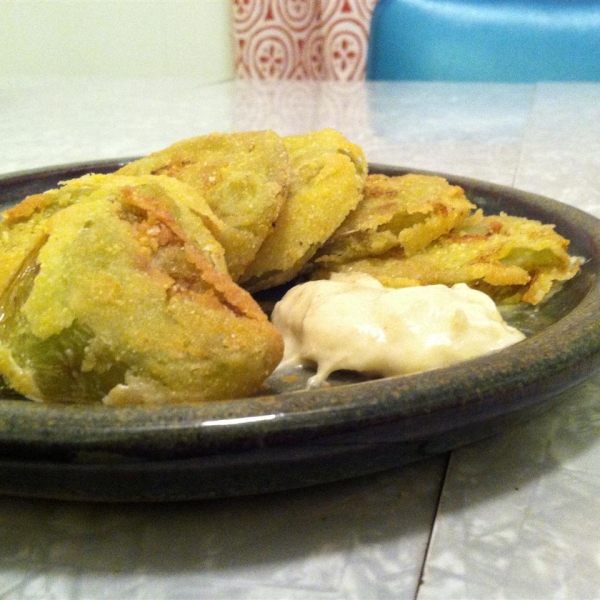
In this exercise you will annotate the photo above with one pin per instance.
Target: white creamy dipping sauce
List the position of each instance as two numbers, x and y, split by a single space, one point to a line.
353 322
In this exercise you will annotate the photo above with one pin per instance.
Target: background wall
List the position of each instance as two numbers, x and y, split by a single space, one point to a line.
117 37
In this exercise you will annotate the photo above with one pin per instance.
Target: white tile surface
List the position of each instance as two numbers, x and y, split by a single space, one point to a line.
518 512
465 129
54 121
560 155
357 539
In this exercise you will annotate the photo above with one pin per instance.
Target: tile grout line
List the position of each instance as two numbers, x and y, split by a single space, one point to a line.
420 580
524 137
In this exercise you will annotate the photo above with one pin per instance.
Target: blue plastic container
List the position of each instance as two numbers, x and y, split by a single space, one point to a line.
485 40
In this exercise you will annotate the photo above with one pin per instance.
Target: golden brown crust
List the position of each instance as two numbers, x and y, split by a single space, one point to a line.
242 176
326 182
408 211
511 258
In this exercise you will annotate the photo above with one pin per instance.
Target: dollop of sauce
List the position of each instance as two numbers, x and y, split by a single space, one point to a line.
352 322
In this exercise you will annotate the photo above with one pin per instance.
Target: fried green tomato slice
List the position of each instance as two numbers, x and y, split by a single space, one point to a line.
114 302
23 223
408 211
326 182
243 176
512 259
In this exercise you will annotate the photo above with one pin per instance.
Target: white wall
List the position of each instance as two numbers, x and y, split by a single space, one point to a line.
117 37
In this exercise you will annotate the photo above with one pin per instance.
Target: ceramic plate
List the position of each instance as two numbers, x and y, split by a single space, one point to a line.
290 437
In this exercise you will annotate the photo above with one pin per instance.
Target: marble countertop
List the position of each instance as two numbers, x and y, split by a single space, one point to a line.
513 516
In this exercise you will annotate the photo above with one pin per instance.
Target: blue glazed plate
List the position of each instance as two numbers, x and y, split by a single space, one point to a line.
290 437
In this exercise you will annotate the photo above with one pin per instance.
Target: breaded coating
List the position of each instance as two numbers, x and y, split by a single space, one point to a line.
243 176
512 259
408 211
118 297
326 182
187 207
161 195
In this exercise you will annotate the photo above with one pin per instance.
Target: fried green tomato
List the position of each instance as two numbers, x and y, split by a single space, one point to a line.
162 193
327 179
512 259
113 301
243 176
408 211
